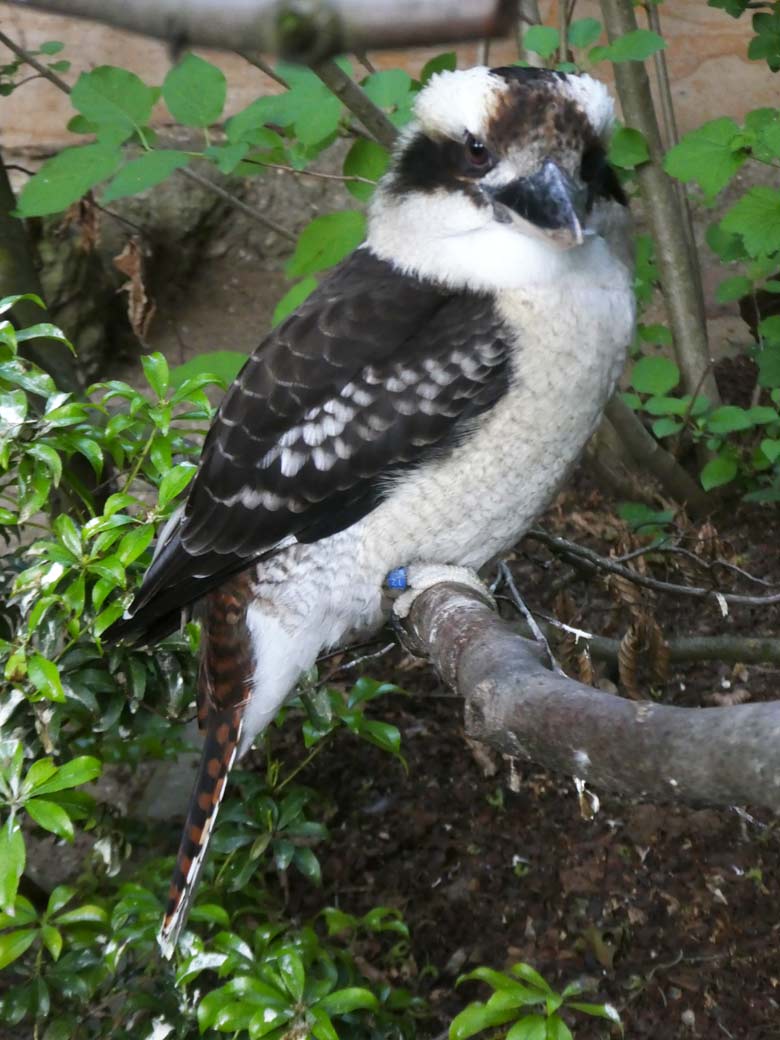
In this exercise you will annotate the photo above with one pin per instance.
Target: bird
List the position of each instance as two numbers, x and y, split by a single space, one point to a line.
418 410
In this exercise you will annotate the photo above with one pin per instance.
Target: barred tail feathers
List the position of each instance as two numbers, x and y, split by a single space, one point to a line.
224 688
223 731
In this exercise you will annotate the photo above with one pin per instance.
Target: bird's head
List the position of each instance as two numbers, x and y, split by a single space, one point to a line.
502 172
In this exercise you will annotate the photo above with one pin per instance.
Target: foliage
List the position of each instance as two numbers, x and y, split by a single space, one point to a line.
81 961
513 1003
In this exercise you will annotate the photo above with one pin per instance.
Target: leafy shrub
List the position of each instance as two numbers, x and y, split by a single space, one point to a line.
82 961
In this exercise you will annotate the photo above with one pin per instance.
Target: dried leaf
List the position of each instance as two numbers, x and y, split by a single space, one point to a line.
628 662
658 650
140 307
486 759
585 671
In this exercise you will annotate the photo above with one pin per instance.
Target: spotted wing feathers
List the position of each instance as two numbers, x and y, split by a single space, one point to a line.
376 372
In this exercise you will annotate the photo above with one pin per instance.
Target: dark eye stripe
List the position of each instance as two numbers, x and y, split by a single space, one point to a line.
601 180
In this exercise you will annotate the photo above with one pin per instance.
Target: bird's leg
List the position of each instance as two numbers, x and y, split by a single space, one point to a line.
413 580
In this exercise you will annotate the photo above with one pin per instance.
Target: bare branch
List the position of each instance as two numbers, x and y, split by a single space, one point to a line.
300 30
678 274
357 101
28 59
592 561
657 460
250 211
700 756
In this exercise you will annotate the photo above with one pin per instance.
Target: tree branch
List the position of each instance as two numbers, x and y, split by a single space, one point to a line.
590 560
299 30
357 101
677 271
657 460
698 756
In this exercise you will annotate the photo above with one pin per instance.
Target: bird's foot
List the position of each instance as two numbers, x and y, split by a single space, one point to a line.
413 580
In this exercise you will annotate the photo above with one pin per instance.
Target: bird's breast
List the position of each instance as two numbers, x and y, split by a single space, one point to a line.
569 348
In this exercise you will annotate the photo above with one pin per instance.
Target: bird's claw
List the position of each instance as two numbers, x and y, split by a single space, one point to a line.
407 583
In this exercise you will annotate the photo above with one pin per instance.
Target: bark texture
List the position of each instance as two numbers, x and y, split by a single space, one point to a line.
651 752
299 30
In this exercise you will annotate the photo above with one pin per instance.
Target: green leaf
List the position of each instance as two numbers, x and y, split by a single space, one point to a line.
44 330
107 617
195 92
557 1029
476 1017
728 419
51 817
51 47
769 329
325 241
446 62
293 298
78 771
7 302
628 148
45 677
718 471
145 172
733 288
365 159
771 448
116 101
156 371
532 1027
52 940
532 976
12 860
307 863
655 375
65 178
86 914
584 32
597 1010
342 1001
68 534
14 944
635 46
49 457
292 972
388 88
708 156
135 543
269 1020
383 734
223 364
321 1025
542 40
173 483
756 218
59 897
769 367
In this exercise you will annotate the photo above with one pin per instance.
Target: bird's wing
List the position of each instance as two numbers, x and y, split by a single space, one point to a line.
372 374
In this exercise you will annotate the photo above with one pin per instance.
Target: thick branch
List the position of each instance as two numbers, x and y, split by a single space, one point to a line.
300 30
657 460
699 756
678 274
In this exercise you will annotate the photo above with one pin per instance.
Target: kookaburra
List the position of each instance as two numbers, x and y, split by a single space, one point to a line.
419 409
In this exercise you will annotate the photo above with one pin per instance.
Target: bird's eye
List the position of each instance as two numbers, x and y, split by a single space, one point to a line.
476 153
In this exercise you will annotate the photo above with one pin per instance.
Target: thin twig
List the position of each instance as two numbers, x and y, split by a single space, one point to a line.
313 173
519 602
594 562
259 63
256 215
28 59
365 61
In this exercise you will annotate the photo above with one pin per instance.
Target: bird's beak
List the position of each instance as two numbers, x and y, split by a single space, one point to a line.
549 204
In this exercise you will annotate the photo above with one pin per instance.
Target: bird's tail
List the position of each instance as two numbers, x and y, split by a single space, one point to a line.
224 677
219 751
